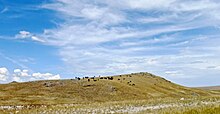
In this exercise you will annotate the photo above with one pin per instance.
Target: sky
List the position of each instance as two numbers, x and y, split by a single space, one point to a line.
61 39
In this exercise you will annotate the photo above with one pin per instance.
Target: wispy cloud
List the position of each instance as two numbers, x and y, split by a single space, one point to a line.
13 61
4 10
28 35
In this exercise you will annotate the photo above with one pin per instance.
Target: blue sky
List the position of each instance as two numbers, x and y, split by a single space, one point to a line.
54 39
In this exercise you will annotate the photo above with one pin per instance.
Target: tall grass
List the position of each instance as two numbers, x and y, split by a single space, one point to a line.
160 106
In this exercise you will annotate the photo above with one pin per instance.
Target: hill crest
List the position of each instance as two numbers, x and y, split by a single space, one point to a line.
135 86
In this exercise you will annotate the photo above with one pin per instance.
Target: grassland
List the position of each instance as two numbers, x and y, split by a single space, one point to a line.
129 93
154 106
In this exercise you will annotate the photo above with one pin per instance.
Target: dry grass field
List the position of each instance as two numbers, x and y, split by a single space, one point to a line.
129 93
210 88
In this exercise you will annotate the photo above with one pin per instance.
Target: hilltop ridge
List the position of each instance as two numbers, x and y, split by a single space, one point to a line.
135 86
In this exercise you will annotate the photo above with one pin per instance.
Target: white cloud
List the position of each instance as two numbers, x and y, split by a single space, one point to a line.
149 4
196 5
3 74
23 34
173 73
47 76
28 35
21 73
35 38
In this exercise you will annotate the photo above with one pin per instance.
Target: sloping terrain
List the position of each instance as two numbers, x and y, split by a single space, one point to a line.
210 88
135 86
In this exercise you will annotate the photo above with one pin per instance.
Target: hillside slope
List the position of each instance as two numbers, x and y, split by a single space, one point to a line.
135 86
210 88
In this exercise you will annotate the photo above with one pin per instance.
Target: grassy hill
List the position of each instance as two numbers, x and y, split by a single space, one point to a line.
135 86
210 88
